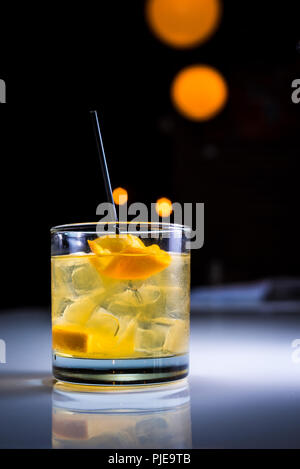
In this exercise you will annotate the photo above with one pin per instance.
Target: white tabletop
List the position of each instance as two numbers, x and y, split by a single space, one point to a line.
243 390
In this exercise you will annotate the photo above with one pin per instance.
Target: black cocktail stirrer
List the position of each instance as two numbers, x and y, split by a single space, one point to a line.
106 177
103 163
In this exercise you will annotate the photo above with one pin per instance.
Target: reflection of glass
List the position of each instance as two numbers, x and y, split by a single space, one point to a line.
152 417
120 304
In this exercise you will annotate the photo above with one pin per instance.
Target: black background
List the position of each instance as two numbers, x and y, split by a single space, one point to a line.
244 164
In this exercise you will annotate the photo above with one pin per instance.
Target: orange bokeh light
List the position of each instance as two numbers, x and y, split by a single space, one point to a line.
199 92
164 207
120 196
183 23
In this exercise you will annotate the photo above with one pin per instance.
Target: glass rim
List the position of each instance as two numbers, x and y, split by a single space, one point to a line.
161 227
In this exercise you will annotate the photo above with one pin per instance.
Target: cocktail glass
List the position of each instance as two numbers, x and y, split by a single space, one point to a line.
120 303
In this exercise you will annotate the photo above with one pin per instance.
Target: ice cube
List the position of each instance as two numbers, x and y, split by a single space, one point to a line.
150 294
126 336
136 297
125 302
177 339
150 301
175 297
103 328
103 323
151 339
61 280
80 310
61 273
165 321
85 278
164 301
174 302
59 304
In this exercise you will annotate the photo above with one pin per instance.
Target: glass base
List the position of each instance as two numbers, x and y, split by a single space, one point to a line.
120 372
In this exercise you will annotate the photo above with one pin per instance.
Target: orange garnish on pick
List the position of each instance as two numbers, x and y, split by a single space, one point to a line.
125 256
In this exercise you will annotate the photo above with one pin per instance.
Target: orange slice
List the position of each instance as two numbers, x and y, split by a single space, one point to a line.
69 339
104 337
126 257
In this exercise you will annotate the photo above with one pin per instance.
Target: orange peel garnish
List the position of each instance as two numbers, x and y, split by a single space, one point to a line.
125 257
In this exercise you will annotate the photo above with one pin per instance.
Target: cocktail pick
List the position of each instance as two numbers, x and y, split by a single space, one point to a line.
103 163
